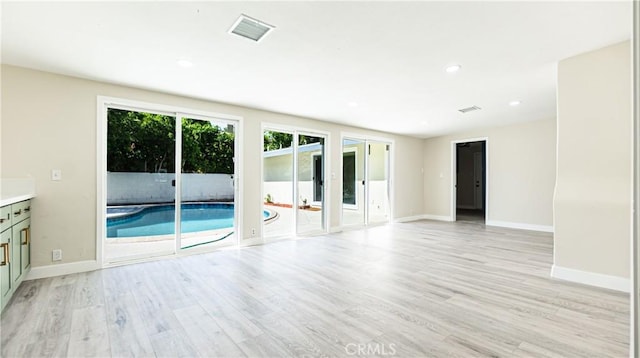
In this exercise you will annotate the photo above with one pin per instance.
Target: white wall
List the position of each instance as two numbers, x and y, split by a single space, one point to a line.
52 119
521 174
594 183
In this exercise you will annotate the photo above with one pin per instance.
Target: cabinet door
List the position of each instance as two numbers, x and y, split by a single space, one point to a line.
5 267
5 217
18 236
25 245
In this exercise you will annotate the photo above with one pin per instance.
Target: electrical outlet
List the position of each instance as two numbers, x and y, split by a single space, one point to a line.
56 255
253 232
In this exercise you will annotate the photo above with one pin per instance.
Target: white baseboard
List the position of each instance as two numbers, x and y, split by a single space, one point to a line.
437 217
422 217
62 269
521 226
591 278
251 241
407 219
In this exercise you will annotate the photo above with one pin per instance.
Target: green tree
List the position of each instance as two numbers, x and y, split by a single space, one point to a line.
206 148
145 142
276 140
140 142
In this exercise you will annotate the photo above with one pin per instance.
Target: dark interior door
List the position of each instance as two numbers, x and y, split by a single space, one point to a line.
349 178
317 178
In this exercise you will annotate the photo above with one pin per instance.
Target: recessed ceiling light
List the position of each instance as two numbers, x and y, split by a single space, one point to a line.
453 68
250 28
184 63
353 104
514 103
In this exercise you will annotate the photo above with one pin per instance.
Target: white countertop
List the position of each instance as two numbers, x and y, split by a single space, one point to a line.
16 190
8 200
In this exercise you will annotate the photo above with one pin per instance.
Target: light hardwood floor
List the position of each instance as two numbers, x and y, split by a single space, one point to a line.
422 289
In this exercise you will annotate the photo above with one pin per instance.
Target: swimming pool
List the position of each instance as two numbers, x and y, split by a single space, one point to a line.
152 220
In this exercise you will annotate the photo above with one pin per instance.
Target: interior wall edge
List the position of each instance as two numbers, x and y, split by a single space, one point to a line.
634 332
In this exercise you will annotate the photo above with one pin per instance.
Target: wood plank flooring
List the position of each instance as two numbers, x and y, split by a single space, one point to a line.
421 289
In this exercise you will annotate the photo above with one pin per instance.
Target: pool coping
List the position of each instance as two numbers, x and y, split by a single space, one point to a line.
138 208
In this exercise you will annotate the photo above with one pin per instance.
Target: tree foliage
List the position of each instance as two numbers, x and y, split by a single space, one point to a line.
206 148
145 142
279 140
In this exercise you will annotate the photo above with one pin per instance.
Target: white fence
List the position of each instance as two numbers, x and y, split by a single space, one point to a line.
147 188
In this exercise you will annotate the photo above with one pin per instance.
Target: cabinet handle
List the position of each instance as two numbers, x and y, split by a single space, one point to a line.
27 209
16 213
27 235
5 248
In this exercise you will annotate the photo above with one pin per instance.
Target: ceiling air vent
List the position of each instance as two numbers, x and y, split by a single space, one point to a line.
250 28
469 109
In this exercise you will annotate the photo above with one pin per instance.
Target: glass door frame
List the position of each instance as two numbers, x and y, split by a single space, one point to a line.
325 159
236 162
326 190
358 200
104 103
366 141
368 167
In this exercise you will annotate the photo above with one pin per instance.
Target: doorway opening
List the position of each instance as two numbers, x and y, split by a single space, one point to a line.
470 186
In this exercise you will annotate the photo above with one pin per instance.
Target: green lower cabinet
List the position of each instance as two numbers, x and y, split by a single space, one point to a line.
15 245
5 268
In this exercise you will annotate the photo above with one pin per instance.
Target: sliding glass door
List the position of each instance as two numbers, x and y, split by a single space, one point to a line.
143 150
293 183
141 193
207 210
310 155
365 182
353 182
277 184
378 182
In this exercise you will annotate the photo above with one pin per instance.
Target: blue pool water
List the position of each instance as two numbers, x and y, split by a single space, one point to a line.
159 219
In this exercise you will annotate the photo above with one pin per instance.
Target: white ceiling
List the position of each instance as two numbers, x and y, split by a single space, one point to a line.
388 57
